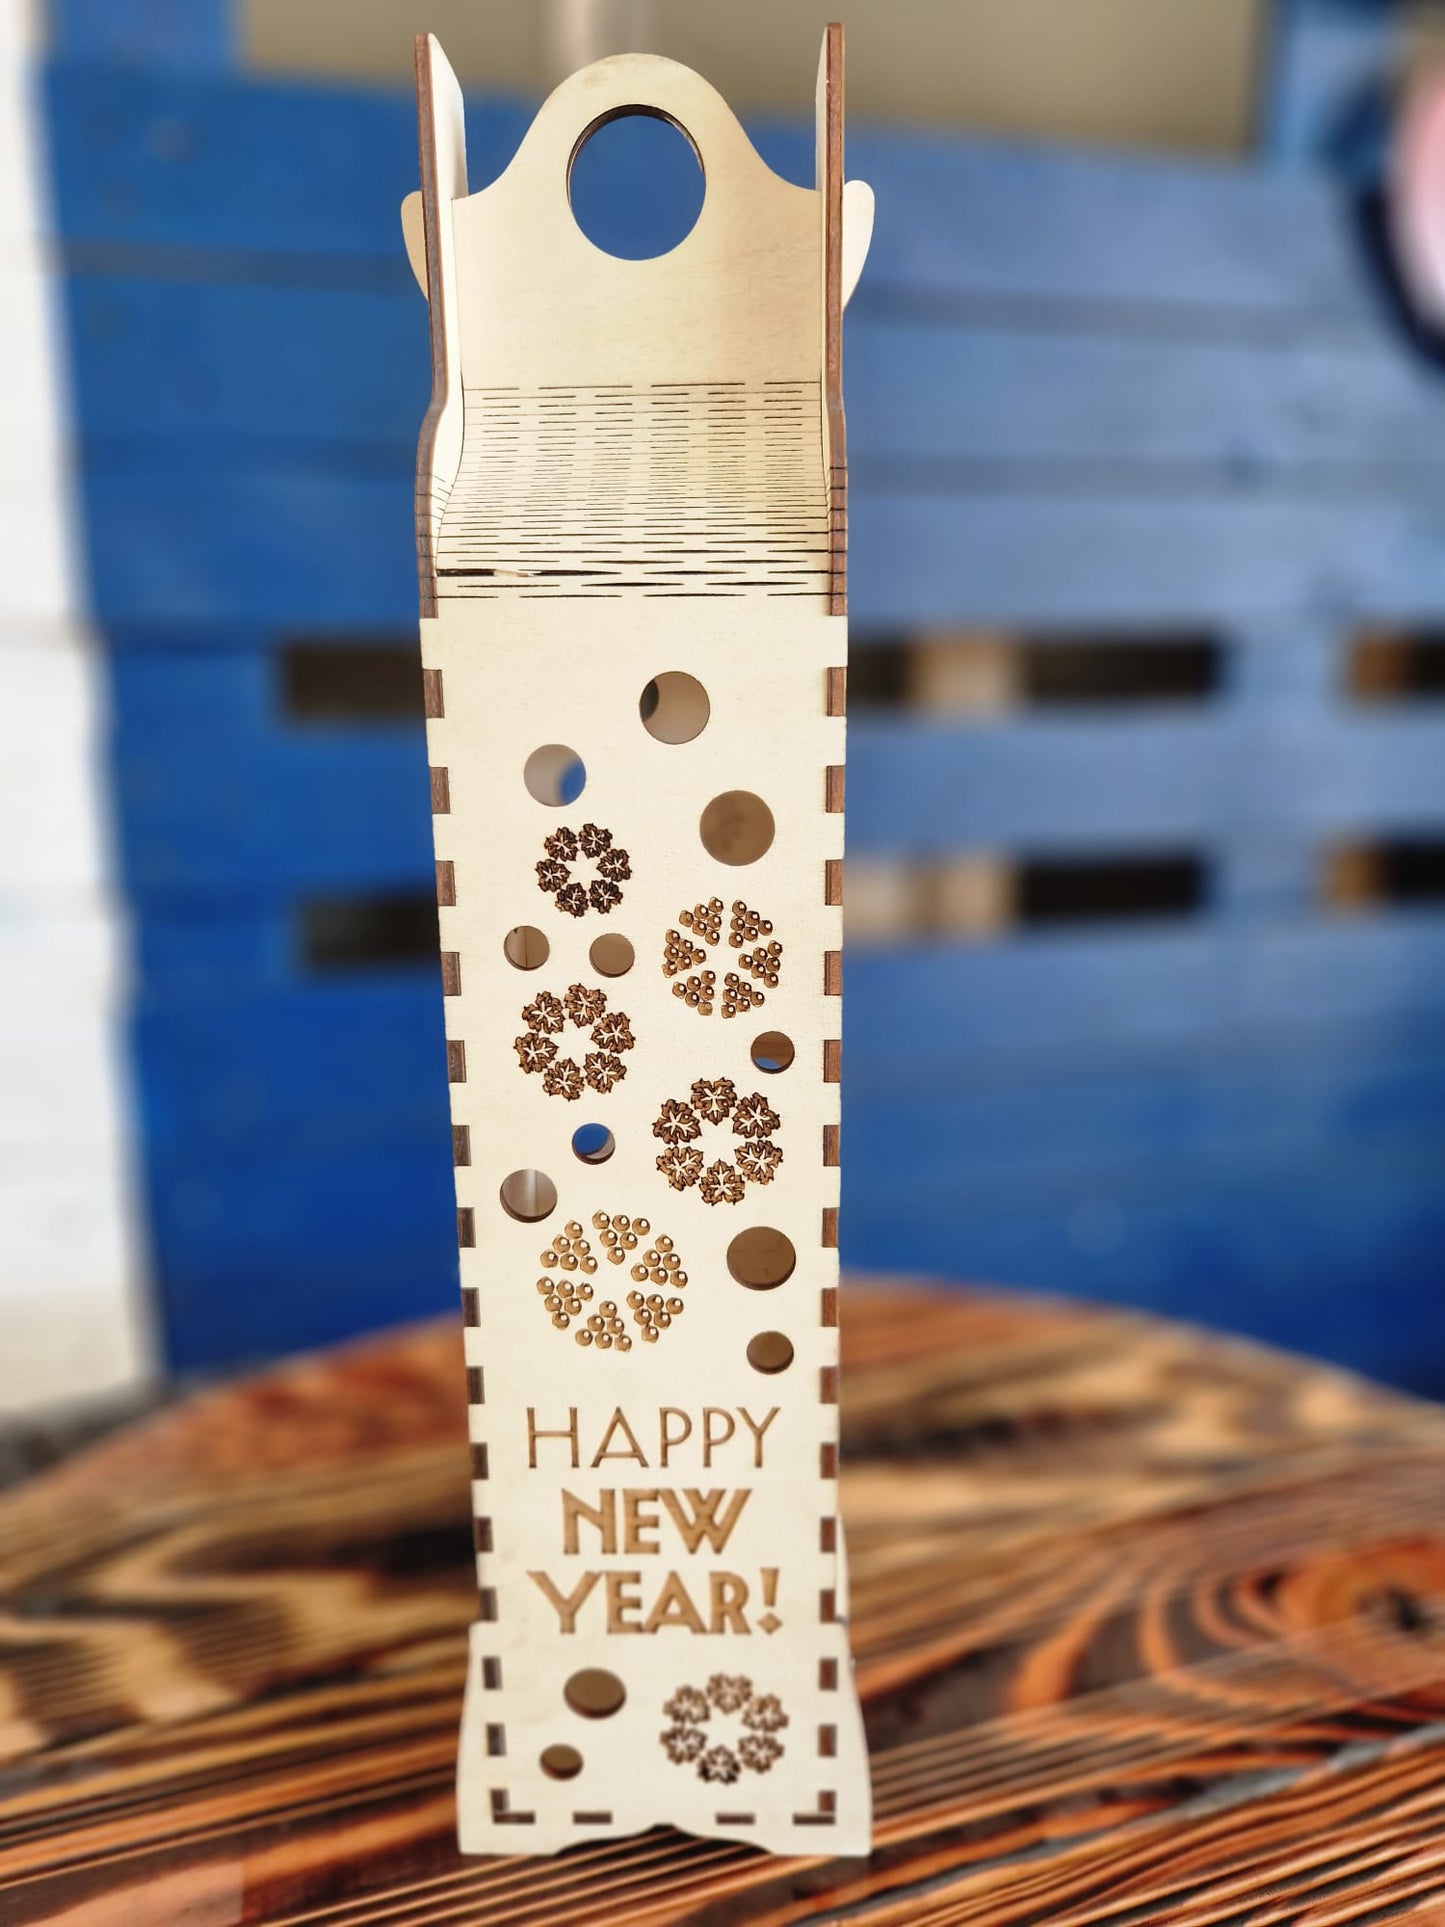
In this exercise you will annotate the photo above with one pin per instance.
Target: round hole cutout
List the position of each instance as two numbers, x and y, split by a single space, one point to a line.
554 775
674 707
770 1352
594 1693
612 955
560 1762
772 1051
635 184
736 827
528 1196
762 1258
593 1143
526 947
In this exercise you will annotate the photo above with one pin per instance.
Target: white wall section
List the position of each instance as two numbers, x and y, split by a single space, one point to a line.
72 1318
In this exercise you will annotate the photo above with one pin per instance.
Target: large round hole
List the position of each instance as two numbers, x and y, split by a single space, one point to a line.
635 183
526 947
772 1051
560 1762
762 1257
554 774
770 1352
594 1693
528 1195
593 1143
612 955
736 827
674 707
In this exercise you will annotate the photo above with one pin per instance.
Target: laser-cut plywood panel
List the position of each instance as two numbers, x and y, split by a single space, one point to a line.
631 521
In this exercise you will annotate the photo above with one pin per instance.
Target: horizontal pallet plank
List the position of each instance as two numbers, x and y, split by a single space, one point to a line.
357 1056
1160 780
258 1257
222 794
319 548
1335 1258
289 364
223 164
1327 1262
1061 998
1118 556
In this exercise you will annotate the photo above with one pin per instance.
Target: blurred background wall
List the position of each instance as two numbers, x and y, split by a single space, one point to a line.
1146 965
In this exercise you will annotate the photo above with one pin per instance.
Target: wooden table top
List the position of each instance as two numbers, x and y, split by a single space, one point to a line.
1150 1626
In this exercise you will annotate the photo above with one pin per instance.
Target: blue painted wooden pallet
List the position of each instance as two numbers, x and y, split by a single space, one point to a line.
1082 391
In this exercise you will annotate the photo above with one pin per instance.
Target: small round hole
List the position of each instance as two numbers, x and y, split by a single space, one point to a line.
554 774
612 955
674 707
526 947
594 1693
772 1051
593 1143
770 1352
736 827
762 1257
560 1762
528 1195
635 184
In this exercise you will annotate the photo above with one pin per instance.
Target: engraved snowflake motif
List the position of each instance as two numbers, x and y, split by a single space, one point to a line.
719 1764
721 1183
713 1098
692 1739
585 1007
754 1117
758 1162
565 848
612 1031
681 1166
562 1078
602 1070
713 1101
534 1053
676 1123
545 1013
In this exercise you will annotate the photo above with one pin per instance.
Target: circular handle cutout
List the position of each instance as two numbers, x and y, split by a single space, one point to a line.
635 183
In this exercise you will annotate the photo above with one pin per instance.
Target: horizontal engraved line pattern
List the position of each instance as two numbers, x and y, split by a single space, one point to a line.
663 489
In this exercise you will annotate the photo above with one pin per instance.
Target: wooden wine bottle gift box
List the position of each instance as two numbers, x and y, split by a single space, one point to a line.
631 522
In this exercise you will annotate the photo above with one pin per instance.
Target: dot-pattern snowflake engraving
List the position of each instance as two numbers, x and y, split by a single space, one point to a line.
723 1729
584 1007
652 1261
743 989
714 1101
566 851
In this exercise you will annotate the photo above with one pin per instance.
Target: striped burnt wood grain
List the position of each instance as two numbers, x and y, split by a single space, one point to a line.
1150 1626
